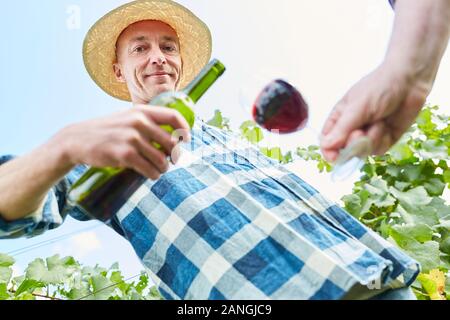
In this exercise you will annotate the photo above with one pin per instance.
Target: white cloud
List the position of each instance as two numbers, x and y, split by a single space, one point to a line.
78 246
86 243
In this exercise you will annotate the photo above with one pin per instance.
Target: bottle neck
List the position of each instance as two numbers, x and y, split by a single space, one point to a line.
206 78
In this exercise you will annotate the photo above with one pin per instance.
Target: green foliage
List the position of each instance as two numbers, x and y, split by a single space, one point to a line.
251 132
65 279
312 153
219 121
400 195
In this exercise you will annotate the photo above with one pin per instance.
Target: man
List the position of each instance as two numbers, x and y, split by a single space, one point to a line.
225 222
386 102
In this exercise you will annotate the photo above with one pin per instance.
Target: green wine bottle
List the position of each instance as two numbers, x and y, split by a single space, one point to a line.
101 192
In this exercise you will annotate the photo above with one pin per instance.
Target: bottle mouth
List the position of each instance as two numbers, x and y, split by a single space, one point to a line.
351 158
220 67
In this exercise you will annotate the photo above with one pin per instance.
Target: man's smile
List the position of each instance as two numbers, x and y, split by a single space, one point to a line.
157 74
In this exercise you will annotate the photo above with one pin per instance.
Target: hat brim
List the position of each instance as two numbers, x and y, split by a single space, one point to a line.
99 53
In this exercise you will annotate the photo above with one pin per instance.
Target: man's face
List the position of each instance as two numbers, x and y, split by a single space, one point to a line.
148 60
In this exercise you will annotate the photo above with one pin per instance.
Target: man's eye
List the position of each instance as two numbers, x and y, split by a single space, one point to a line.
170 48
139 49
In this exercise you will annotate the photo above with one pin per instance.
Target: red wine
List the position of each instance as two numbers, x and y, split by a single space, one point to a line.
280 107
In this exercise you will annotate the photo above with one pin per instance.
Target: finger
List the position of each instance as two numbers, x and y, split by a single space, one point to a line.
153 155
151 132
145 168
131 158
384 146
155 133
166 116
355 135
350 118
380 137
330 155
332 119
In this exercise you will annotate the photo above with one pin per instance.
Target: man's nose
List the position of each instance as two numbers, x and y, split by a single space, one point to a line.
157 58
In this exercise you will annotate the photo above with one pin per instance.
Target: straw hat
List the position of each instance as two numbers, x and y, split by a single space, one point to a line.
99 45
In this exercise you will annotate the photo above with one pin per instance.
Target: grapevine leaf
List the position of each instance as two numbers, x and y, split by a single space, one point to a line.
251 132
393 170
29 285
5 274
142 284
446 176
102 287
25 296
384 229
6 260
114 266
352 204
434 187
411 172
369 168
418 215
55 272
424 120
447 287
287 158
441 209
265 151
358 204
116 277
379 193
414 197
275 153
91 271
421 232
216 121
433 149
445 245
433 283
154 294
80 292
401 152
219 121
427 253
443 164
402 186
135 296
253 135
4 295
36 270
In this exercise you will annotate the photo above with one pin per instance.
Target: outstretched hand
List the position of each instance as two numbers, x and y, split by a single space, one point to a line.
381 106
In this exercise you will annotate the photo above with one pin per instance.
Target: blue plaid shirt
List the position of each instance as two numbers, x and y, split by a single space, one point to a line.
227 222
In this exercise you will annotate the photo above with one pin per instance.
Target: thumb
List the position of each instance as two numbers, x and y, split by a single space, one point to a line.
346 119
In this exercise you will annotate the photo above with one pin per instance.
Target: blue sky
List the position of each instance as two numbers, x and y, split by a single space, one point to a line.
321 46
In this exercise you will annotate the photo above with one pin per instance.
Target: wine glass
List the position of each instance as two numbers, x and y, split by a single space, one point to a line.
278 106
